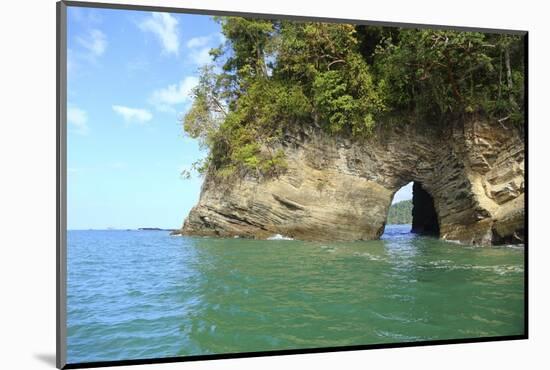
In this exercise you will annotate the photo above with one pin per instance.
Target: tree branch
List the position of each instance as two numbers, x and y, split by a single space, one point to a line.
334 62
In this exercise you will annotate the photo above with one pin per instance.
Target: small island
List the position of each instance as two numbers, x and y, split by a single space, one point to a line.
153 229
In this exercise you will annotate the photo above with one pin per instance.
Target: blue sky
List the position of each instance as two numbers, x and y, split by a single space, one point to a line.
129 78
404 193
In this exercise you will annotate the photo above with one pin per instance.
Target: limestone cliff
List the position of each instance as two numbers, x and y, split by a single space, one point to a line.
340 189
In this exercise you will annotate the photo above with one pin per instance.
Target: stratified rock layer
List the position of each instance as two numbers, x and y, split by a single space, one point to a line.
340 189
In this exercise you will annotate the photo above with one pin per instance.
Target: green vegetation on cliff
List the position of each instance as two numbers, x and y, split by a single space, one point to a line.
274 76
400 213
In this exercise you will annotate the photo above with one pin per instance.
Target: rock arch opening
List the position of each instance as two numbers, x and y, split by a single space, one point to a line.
412 204
400 211
424 214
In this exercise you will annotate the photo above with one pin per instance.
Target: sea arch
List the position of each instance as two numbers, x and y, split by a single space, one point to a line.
469 173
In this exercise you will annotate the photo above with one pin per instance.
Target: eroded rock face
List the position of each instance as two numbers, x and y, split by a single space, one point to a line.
339 189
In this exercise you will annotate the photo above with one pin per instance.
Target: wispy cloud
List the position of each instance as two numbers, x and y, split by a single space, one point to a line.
86 16
201 56
94 42
77 120
196 42
166 98
199 48
165 27
88 45
133 115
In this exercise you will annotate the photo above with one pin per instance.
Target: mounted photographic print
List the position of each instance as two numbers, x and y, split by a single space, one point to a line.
236 185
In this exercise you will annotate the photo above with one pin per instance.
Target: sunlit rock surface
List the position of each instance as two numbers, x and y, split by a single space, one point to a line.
340 189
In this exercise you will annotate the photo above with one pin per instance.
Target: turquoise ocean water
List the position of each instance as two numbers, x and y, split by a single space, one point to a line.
146 294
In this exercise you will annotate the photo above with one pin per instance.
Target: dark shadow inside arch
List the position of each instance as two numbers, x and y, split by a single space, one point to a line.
424 215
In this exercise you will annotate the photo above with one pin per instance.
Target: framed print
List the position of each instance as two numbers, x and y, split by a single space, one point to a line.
235 185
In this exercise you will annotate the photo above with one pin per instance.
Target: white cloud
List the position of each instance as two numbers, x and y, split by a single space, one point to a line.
89 47
166 98
85 16
78 120
133 114
95 42
201 56
164 26
199 52
196 42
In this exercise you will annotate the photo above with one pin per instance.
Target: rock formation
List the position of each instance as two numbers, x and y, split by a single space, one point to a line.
340 189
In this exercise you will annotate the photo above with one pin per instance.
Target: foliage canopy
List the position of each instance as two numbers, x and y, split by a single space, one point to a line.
272 76
400 213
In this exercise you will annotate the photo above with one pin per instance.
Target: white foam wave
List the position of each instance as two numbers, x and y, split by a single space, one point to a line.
279 237
498 269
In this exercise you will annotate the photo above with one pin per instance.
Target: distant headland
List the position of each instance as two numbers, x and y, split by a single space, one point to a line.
153 229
